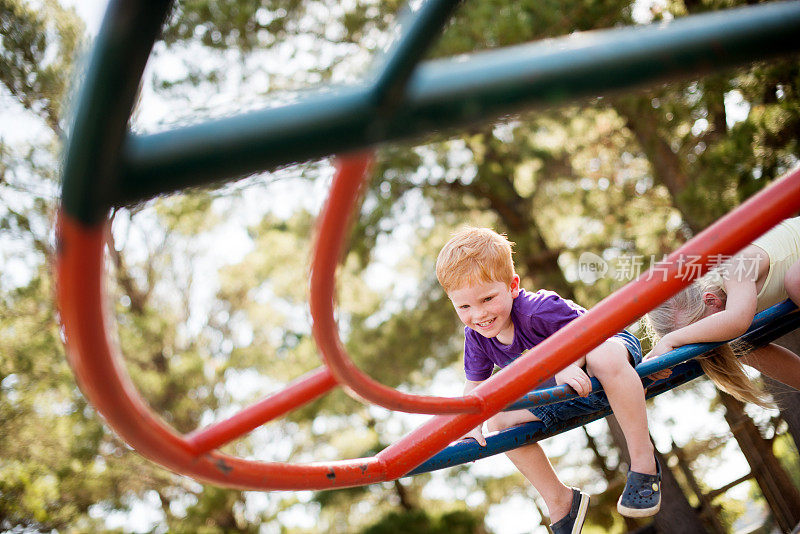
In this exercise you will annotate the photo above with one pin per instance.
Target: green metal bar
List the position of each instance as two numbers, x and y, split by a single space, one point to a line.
418 32
453 93
99 126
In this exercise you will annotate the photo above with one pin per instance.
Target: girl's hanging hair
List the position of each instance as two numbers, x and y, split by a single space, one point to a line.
720 364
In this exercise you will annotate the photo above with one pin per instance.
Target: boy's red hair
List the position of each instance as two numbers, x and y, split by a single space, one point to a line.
473 256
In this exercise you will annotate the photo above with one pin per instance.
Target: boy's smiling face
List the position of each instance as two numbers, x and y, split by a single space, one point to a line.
486 308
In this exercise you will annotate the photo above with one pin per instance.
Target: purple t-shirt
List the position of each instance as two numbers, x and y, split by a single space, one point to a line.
536 316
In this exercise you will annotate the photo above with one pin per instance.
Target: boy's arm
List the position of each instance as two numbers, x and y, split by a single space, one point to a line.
477 432
573 376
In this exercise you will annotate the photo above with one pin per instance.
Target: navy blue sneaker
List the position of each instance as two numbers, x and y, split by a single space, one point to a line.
642 494
572 523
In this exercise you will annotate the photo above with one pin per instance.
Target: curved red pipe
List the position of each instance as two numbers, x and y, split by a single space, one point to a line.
104 381
332 227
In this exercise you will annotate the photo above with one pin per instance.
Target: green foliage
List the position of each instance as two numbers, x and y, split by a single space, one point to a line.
58 459
188 214
419 521
234 24
622 177
36 52
406 341
787 452
216 511
496 23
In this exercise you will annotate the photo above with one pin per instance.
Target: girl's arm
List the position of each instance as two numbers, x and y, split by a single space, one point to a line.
730 322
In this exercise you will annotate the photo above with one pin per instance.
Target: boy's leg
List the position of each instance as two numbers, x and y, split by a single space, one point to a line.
610 364
776 362
535 466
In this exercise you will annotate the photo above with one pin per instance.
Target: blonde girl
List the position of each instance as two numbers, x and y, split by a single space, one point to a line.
721 306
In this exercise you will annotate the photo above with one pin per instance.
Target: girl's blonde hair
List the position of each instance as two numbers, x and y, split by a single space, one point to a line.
720 364
473 256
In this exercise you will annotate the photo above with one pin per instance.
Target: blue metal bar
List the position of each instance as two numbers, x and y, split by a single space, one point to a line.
456 92
767 325
468 450
556 394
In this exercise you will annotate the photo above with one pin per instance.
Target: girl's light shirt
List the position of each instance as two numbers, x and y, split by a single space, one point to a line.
782 245
536 316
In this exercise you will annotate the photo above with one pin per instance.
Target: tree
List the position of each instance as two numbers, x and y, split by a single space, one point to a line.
578 178
61 464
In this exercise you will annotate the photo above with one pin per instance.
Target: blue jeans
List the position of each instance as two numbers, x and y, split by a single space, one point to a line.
552 414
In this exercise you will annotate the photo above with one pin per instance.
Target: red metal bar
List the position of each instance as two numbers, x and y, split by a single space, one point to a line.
305 389
727 236
104 381
332 227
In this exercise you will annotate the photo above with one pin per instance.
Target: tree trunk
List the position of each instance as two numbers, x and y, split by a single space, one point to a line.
782 497
706 509
667 166
614 478
402 494
676 514
788 399
599 459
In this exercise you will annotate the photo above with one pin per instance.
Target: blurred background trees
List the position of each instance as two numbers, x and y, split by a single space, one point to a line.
209 288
